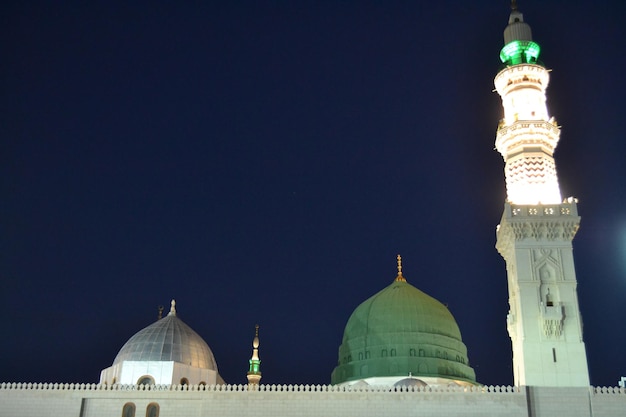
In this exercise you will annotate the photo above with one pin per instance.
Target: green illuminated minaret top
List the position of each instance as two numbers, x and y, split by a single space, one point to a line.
254 373
519 47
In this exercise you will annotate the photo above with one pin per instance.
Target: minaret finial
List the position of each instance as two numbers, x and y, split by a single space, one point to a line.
399 277
172 308
254 373
513 4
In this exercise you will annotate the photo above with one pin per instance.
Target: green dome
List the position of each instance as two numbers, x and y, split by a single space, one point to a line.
402 331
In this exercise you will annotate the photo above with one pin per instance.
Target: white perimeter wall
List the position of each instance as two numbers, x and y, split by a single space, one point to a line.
35 400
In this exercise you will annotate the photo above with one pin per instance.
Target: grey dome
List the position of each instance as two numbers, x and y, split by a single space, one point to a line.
168 339
410 382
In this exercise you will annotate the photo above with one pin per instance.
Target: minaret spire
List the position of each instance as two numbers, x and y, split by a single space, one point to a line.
254 373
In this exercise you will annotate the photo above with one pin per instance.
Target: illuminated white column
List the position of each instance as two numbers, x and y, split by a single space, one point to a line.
537 227
527 136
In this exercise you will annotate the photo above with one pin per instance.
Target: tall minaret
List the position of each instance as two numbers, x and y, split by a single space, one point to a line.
254 373
537 227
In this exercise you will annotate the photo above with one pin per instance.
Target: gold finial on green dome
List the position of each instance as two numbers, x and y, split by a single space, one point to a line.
400 277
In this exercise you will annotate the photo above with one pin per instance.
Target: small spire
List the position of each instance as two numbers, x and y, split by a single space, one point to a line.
400 277
254 373
172 308
255 342
513 4
160 316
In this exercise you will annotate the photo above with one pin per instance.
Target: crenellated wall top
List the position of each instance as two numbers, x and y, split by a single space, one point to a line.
17 386
245 388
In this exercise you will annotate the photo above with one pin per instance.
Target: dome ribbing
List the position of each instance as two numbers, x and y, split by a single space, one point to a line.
168 339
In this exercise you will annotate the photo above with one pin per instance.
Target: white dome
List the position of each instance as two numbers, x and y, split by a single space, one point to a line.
166 352
168 339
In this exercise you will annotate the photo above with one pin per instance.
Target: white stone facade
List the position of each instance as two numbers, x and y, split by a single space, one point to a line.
91 400
544 320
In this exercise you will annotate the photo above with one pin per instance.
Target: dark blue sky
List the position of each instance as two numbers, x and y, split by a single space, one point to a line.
264 162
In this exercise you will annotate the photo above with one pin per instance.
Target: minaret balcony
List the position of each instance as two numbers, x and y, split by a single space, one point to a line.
532 223
521 76
522 134
566 209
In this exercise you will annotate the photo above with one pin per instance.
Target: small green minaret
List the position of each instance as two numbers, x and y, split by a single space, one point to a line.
254 373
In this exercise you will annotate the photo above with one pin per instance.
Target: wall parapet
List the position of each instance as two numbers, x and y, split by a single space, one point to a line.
609 390
19 386
33 386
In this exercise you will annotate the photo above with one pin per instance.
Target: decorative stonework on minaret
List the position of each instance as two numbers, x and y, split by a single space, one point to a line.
537 227
254 373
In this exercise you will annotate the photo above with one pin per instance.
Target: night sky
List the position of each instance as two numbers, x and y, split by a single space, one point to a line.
264 162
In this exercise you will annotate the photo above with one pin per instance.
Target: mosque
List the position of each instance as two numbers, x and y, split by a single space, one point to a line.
402 353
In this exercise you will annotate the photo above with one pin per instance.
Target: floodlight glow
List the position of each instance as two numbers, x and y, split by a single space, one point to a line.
518 52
